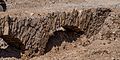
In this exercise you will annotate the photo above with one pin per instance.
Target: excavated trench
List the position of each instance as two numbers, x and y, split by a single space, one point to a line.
37 36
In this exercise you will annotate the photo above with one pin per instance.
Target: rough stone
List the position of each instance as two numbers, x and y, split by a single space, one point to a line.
34 33
3 44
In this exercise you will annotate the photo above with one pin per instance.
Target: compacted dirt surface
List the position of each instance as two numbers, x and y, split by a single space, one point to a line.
104 45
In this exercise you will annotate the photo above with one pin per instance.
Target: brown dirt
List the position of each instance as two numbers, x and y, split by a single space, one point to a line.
105 45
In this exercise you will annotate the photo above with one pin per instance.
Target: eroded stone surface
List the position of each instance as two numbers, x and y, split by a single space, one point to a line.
34 32
4 25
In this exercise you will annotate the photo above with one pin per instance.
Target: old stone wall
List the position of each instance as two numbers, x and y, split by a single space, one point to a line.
31 34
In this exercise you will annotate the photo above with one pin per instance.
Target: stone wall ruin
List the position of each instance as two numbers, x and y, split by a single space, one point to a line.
31 35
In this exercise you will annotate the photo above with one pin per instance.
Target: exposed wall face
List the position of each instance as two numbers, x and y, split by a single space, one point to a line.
33 33
92 20
4 25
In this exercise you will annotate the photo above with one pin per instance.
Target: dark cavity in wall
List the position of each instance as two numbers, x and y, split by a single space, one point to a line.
3 6
69 35
14 49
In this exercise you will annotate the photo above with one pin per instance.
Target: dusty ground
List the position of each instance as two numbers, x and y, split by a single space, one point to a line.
46 6
98 49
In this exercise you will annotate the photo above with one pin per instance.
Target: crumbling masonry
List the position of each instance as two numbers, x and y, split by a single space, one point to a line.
32 34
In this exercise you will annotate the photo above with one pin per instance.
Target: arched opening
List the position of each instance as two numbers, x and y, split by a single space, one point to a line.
14 49
69 35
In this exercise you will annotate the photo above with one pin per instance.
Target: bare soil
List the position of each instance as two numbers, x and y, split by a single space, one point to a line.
98 47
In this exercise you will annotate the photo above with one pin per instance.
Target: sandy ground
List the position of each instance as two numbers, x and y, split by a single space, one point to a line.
97 50
58 5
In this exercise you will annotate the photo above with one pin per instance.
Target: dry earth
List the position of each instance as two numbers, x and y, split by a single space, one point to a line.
105 45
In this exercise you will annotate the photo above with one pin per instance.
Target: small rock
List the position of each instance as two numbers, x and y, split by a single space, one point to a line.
60 28
3 44
31 14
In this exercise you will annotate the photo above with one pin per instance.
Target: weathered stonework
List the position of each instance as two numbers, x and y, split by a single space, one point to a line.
33 33
4 25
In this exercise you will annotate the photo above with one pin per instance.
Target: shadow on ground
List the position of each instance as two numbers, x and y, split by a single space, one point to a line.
10 52
60 36
15 47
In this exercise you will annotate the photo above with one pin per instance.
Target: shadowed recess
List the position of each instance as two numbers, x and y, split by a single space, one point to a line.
69 35
3 4
15 47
